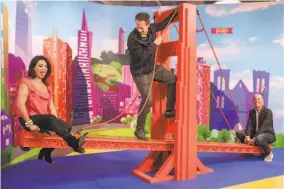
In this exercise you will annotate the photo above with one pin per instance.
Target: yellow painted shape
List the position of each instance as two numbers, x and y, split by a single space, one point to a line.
269 183
90 151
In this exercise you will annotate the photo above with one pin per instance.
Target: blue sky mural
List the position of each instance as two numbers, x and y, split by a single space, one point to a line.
257 42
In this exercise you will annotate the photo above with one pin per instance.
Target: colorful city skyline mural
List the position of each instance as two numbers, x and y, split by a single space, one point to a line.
97 36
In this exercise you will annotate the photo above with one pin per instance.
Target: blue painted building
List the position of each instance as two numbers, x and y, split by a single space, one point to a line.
241 96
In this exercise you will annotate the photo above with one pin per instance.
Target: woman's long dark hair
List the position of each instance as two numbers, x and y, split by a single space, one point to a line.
34 61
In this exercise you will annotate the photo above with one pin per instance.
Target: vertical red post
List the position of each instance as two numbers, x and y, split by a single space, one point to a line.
186 133
183 159
158 121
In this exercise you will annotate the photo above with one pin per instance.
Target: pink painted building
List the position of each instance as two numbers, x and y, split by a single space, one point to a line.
97 99
126 74
128 79
133 109
112 101
203 92
24 73
121 35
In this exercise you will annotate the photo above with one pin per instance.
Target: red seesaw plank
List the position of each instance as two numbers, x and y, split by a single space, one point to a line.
227 148
29 139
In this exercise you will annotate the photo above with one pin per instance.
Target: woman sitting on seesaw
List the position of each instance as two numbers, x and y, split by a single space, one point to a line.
35 108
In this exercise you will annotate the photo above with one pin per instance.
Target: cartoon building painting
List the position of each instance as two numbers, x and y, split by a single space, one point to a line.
112 101
23 32
133 109
59 54
6 130
241 95
203 93
84 90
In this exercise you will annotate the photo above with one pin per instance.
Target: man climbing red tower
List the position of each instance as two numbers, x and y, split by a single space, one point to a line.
142 44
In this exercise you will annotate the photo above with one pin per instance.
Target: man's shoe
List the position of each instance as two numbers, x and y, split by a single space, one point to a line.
269 157
140 135
170 114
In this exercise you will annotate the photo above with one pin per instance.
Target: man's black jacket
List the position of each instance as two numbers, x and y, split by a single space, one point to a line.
265 122
142 53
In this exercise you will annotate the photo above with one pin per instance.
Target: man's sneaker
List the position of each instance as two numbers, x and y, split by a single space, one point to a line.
170 114
269 157
140 135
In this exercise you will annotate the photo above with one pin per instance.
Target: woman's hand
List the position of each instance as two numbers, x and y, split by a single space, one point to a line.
34 128
52 108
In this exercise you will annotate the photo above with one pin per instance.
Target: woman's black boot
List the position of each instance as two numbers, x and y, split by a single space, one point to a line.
74 143
45 153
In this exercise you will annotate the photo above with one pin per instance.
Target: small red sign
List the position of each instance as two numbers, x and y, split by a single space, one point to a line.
222 30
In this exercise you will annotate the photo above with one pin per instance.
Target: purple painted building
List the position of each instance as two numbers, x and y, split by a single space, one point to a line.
111 101
23 39
241 95
6 130
84 89
16 67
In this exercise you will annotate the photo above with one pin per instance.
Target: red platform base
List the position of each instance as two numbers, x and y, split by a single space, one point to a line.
163 172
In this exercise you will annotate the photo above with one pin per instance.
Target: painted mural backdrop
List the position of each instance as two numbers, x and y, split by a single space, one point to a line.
86 44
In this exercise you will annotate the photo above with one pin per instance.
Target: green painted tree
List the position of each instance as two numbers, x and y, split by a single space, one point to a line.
10 150
6 155
279 143
201 138
116 66
129 118
126 120
213 139
98 118
224 135
123 120
4 99
204 133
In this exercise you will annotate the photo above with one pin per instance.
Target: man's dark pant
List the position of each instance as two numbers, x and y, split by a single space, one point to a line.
143 83
262 140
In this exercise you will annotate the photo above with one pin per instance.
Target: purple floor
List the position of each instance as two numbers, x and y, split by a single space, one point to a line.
113 170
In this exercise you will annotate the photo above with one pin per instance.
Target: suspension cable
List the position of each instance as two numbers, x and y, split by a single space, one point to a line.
213 94
208 87
212 48
203 29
